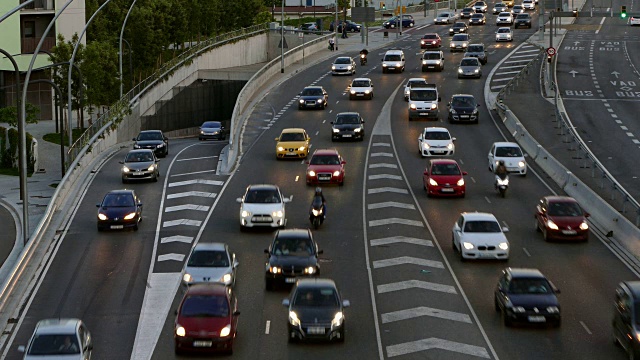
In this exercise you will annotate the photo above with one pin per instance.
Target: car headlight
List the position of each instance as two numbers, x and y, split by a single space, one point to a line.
425 146
407 91
301 101
319 101
357 130
451 30
450 146
460 71
337 320
310 270
277 213
349 67
130 216
333 67
335 131
503 246
225 331
422 42
367 91
275 270
452 45
180 331
136 146
460 182
552 225
102 216
398 64
312 173
433 182
201 131
160 145
584 226
280 148
151 168
438 62
518 309
336 173
467 245
434 106
453 111
384 65
245 213
475 112
433 42
497 37
476 71
553 310
301 148
521 164
352 91
125 169
187 277
412 106
293 318
226 278
424 62
464 45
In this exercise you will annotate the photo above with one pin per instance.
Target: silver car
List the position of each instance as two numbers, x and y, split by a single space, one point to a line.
343 65
517 9
446 18
459 42
499 7
470 67
504 18
211 262
140 164
57 339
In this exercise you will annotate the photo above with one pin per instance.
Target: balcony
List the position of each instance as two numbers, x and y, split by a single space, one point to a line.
39 5
29 44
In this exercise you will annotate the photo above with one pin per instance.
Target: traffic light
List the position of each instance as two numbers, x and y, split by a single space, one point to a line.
623 11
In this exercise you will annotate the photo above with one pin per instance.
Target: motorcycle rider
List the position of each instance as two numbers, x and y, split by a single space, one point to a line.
318 194
501 169
363 59
332 43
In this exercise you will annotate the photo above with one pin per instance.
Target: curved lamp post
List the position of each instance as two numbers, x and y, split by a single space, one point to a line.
124 23
130 68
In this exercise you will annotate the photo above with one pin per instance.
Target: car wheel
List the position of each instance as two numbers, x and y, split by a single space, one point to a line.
537 226
155 178
268 285
135 228
341 338
559 322
341 182
495 304
545 235
505 319
124 181
100 228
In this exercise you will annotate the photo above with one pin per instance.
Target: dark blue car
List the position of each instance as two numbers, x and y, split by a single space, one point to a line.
394 22
119 209
313 97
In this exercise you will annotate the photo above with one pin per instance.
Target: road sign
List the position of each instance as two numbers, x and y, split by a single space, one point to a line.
551 51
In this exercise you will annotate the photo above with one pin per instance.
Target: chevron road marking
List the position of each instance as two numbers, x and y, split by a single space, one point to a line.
383 154
181 222
391 221
196 181
387 189
412 284
176 238
406 260
435 343
383 165
192 193
174 257
186 207
424 311
400 239
385 176
390 204
381 144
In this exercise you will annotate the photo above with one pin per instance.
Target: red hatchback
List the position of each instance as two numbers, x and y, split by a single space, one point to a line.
207 319
326 166
430 41
561 218
443 177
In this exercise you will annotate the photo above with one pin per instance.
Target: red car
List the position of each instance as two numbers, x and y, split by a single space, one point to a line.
326 166
443 177
431 40
207 319
561 218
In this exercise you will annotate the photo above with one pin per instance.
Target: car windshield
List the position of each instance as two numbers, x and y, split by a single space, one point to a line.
430 36
262 196
564 209
118 200
482 226
150 136
208 258
360 83
325 160
504 31
475 48
477 16
445 15
431 56
292 246
504 14
463 101
416 83
211 124
460 37
392 57
316 297
292 136
423 95
522 16
469 62
529 286
445 169
437 135
343 60
508 151
517 7
465 10
205 306
312 92
139 157
347 119
54 344
459 25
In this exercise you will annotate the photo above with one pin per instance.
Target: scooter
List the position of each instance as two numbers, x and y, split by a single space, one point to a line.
502 184
363 59
316 214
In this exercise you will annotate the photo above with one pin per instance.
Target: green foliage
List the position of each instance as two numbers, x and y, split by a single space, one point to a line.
100 73
55 137
62 53
262 17
5 159
9 114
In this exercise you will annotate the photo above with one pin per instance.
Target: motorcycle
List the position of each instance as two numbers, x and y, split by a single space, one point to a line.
363 59
502 184
316 214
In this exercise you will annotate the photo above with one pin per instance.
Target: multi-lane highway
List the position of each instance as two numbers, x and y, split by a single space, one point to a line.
387 245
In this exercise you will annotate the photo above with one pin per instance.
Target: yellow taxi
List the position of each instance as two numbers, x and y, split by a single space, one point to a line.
509 3
292 143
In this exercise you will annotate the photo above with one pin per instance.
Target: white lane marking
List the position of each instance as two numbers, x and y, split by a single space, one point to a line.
636 141
624 128
486 198
412 284
526 51
507 73
297 177
630 134
317 132
181 222
399 221
383 165
474 180
403 260
502 79
381 144
523 56
526 252
192 193
385 176
198 158
585 328
186 207
387 204
435 343
176 238
514 61
267 327
424 311
174 257
379 154
387 189
194 173
400 239
196 181
497 87
512 67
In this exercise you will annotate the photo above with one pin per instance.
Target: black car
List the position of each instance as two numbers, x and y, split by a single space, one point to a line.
316 311
477 51
313 97
351 26
463 107
458 28
478 19
626 317
291 255
141 164
211 130
394 22
348 125
119 209
466 13
154 140
525 295
522 20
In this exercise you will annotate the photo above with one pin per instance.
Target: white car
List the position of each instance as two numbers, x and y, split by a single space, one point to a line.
504 18
262 205
528 4
479 235
634 20
480 6
361 88
413 82
57 339
436 141
459 42
210 262
446 18
343 65
504 34
517 9
511 154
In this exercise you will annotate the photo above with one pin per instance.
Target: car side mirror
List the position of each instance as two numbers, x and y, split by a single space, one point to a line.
277 139
477 105
286 302
505 229
175 312
425 173
134 139
236 313
287 200
22 348
165 138
89 347
465 173
239 200
331 122
448 104
140 204
587 215
346 303
98 205
300 93
121 162
320 252
266 251
453 139
556 290
157 160
439 99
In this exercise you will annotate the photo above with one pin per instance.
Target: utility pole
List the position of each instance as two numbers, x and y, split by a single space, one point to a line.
282 37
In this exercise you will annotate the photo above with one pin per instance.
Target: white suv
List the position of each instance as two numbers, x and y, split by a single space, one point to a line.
393 60
423 102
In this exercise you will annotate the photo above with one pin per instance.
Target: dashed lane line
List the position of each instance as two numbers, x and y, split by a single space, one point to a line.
171 257
387 189
192 193
177 238
196 181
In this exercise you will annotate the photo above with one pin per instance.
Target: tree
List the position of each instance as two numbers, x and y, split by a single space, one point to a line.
61 53
9 114
100 73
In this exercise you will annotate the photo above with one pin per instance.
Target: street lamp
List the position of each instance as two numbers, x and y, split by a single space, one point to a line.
124 23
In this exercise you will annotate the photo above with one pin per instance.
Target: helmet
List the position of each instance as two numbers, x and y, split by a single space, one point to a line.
318 190
501 162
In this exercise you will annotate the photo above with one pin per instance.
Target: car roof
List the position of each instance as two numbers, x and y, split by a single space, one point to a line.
348 113
150 131
469 58
459 23
212 289
394 52
293 233
524 273
474 216
560 199
315 282
435 129
325 152
212 122
364 79
430 34
121 191
416 79
443 161
210 246
634 287
505 143
313 87
343 57
462 95
138 151
263 186
292 130
57 326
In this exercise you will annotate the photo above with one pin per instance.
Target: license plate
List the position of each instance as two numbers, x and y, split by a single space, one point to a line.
464 116
117 226
569 232
359 94
392 68
537 319
202 343
290 280
324 177
346 135
291 153
447 190
424 114
137 173
316 330
430 66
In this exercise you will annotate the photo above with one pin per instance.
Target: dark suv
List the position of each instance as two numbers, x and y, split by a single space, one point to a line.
291 255
348 125
626 317
477 51
522 20
154 140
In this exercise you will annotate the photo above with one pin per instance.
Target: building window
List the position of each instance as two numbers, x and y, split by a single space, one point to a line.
29 29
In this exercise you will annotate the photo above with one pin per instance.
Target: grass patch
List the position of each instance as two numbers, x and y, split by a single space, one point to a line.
55 137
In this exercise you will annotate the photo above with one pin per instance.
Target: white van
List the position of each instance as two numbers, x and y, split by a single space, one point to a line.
393 60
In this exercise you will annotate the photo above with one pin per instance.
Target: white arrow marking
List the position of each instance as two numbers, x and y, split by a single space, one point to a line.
424 311
407 260
387 189
390 204
383 165
177 238
615 73
174 257
385 176
575 43
411 284
192 193
197 181
435 343
381 154
573 72
401 239
381 144
181 222
186 207
391 221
